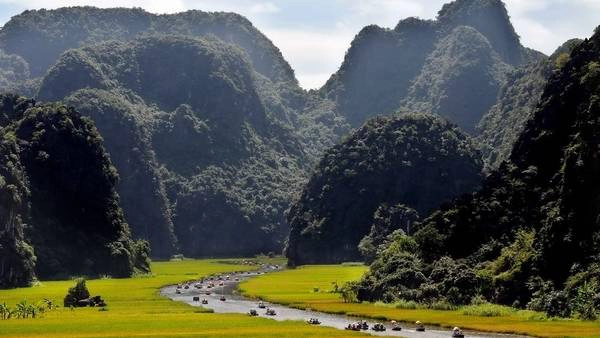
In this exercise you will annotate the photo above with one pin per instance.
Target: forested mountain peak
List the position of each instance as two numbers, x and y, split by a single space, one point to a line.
491 19
212 74
416 160
459 79
382 65
413 24
40 36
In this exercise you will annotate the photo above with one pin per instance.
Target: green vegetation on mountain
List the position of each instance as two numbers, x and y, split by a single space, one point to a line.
460 79
378 69
17 260
453 66
530 237
417 160
201 115
12 69
58 190
499 129
124 127
41 36
219 148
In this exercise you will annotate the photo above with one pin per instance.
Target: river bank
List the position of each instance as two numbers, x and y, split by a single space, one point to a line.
236 303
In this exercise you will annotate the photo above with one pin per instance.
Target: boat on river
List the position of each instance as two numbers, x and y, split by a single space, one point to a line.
457 333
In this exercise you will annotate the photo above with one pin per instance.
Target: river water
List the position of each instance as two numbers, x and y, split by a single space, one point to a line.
235 303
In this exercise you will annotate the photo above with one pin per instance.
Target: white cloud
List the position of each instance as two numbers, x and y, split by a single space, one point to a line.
266 7
535 35
314 55
520 7
384 12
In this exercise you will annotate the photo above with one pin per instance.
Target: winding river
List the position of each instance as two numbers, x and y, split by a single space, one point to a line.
235 303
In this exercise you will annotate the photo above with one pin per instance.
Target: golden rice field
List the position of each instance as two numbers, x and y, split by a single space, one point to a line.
135 309
297 288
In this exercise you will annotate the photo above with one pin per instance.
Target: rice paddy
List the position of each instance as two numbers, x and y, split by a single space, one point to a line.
135 309
313 286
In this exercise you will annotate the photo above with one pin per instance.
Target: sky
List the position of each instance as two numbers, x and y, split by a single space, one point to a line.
313 35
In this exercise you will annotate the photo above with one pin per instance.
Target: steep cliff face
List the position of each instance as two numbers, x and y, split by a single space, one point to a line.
17 260
57 178
378 69
453 66
417 160
490 18
460 79
502 125
126 133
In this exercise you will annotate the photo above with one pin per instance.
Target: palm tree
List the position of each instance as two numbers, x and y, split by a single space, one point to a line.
49 304
34 310
5 311
21 309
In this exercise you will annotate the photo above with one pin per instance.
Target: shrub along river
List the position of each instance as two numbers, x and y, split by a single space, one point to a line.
198 291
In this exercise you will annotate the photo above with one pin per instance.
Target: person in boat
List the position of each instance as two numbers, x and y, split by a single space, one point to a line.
196 299
253 313
396 326
204 301
222 298
353 327
314 321
271 312
378 327
261 305
457 333
419 326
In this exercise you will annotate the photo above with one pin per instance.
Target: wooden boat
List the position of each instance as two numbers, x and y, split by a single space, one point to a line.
457 333
313 321
378 327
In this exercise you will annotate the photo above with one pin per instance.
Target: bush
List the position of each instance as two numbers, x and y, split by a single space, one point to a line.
585 304
141 255
349 292
76 293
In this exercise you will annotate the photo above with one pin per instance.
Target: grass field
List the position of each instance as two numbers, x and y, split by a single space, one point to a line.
135 308
297 288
